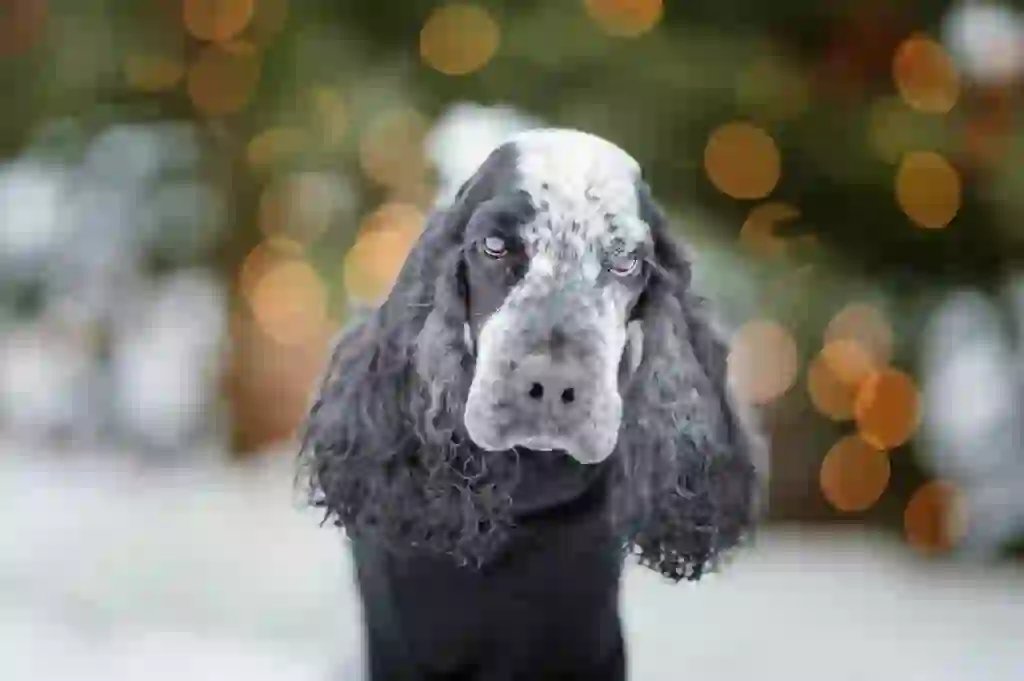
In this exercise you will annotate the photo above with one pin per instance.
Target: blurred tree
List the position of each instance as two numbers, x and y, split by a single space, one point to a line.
835 142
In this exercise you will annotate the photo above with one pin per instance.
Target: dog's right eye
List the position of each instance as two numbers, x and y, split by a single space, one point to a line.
495 247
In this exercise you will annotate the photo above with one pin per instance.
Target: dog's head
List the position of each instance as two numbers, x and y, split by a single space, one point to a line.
555 255
546 308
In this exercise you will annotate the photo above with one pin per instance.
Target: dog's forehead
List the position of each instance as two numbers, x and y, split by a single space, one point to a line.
583 188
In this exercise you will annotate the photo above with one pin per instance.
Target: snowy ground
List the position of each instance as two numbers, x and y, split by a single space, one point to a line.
115 574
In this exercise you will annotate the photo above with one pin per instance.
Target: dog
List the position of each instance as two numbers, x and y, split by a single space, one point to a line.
541 396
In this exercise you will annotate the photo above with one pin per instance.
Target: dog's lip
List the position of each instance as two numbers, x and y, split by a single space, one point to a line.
541 444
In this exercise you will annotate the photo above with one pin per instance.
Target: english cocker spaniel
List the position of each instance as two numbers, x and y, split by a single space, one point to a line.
541 396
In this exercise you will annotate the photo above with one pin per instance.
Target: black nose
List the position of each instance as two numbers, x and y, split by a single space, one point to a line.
567 396
553 386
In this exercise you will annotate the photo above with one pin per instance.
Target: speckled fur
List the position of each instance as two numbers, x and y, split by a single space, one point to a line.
582 188
386 451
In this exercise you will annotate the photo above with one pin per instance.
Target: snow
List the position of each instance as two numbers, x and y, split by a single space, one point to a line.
115 571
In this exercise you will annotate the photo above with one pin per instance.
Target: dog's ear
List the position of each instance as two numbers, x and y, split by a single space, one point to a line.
688 485
358 432
381 449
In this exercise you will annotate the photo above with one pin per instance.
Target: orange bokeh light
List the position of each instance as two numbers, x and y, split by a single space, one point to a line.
273 145
153 72
887 408
742 161
458 39
223 77
928 189
925 75
626 18
934 519
834 377
758 232
854 475
762 361
867 327
268 20
261 258
216 20
375 260
22 25
289 302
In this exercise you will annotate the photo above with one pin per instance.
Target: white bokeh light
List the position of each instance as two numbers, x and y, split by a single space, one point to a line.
986 40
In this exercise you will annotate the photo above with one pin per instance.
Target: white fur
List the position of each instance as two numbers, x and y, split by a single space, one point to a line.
579 177
584 191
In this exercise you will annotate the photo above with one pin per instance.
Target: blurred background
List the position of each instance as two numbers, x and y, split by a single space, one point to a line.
196 194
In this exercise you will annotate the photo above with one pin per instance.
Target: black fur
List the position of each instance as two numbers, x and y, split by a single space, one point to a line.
385 453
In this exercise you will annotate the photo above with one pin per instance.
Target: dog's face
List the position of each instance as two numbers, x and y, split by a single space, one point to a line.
554 255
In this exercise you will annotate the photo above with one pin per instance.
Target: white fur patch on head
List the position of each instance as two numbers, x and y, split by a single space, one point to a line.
583 187
585 213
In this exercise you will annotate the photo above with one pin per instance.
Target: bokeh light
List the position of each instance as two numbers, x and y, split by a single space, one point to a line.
928 189
268 20
762 361
848 360
854 475
22 25
835 376
223 77
758 232
216 20
289 302
153 72
887 408
260 259
742 161
380 250
866 326
627 18
391 151
274 145
934 520
984 132
300 205
925 75
331 114
458 39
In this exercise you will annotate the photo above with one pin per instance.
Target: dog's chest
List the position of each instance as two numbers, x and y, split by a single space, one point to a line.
550 601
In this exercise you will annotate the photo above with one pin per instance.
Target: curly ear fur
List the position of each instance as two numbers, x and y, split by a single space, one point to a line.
686 488
384 451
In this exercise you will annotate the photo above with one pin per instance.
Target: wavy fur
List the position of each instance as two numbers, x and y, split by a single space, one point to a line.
385 453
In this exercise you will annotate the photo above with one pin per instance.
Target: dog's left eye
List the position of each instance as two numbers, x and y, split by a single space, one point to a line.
623 265
495 246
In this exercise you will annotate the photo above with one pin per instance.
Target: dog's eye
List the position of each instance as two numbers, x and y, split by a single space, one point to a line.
495 247
623 265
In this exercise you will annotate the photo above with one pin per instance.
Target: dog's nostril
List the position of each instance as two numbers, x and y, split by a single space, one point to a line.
568 396
536 391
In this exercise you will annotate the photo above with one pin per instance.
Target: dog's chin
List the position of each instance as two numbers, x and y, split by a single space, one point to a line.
585 450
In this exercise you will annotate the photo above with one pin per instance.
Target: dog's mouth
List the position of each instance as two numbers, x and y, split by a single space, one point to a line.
588 443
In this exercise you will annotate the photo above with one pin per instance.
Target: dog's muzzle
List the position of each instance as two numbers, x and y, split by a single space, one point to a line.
546 400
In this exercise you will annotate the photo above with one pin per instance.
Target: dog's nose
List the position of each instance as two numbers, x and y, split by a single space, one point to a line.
556 388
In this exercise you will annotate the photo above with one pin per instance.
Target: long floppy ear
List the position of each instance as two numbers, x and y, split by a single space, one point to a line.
688 487
383 452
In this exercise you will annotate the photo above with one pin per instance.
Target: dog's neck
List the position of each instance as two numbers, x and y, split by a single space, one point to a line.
552 481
